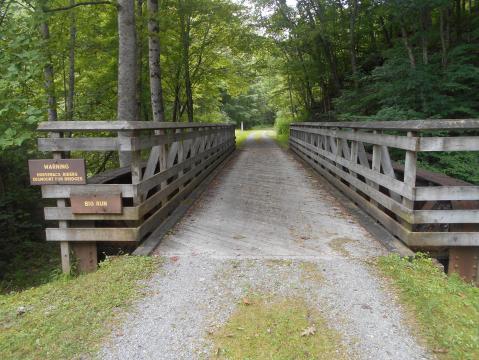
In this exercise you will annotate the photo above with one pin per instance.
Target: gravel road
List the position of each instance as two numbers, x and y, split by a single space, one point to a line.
264 225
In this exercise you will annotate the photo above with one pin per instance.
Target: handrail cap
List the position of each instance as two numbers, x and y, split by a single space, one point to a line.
405 125
120 125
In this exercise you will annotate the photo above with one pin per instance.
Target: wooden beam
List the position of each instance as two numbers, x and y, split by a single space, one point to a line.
78 144
405 125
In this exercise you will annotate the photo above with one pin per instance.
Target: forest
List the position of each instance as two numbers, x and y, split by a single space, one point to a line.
259 62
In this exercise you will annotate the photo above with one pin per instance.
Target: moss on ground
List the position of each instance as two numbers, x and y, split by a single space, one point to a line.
272 328
445 307
69 317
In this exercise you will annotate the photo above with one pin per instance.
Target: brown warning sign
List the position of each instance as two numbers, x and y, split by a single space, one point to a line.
57 171
96 204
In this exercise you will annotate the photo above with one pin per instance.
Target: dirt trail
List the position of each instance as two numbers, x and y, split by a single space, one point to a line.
254 228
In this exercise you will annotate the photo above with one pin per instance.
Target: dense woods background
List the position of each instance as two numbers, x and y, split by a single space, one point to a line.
258 62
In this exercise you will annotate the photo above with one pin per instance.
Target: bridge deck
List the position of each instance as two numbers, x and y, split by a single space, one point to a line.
266 225
265 203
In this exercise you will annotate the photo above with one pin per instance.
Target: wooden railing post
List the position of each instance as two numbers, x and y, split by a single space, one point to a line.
410 168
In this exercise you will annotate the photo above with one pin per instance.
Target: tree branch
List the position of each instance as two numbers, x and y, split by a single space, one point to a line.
69 7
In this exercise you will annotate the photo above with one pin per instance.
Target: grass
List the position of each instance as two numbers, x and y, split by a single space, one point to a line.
34 264
281 139
241 136
445 307
263 328
69 317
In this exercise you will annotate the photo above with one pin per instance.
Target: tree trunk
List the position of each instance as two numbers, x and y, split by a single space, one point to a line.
353 5
425 21
443 39
127 67
48 75
458 20
139 58
156 89
185 20
71 65
387 36
408 47
176 102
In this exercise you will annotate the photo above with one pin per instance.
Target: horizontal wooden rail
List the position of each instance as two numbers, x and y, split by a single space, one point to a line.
83 126
423 211
405 125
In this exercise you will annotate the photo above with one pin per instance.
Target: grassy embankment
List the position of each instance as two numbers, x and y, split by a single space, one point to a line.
70 316
445 308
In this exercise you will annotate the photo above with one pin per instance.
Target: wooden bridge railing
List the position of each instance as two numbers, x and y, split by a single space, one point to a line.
168 161
424 210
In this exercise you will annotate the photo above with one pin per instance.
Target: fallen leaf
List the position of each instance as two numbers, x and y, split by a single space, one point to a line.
440 351
309 331
174 258
246 301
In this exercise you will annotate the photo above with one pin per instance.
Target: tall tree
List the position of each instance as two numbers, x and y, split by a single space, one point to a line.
185 23
127 67
156 88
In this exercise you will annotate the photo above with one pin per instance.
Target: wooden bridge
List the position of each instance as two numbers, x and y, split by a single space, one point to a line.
172 162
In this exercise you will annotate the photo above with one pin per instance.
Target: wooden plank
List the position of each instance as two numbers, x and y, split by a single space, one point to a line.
65 213
376 161
433 239
161 195
441 193
396 141
140 143
374 194
78 144
446 216
64 191
458 143
156 179
93 234
371 176
388 170
114 125
406 125
86 256
410 167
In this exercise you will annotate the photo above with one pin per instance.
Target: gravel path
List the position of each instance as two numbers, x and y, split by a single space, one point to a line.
264 225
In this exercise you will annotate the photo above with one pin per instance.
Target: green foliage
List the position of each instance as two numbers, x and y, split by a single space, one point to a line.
251 108
69 317
446 308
